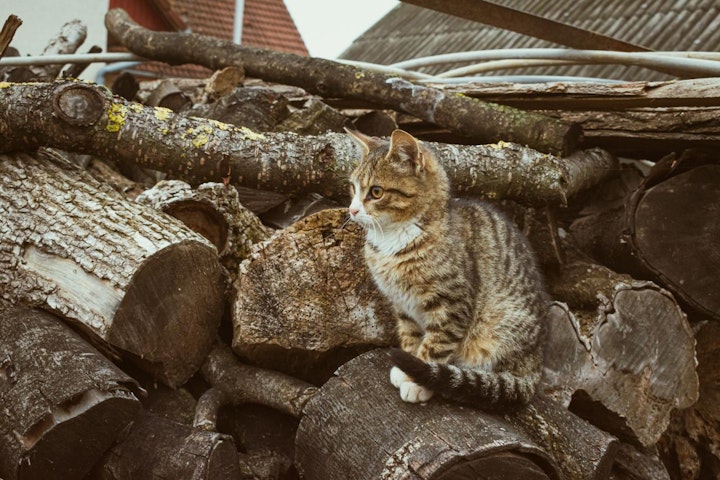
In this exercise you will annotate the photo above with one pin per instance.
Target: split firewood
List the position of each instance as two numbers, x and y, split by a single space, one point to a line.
314 118
197 150
167 95
305 302
138 282
71 37
214 211
155 448
674 208
620 353
258 108
691 445
481 121
63 403
358 427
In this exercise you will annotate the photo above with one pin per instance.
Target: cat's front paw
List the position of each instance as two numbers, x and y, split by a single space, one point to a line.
413 393
398 377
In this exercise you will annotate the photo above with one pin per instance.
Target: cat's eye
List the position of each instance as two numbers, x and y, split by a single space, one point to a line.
376 192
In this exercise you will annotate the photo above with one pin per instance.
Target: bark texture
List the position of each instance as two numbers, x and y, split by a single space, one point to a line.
481 121
135 280
86 119
63 404
304 301
383 437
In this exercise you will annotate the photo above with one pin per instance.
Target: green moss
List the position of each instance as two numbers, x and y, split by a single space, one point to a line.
116 117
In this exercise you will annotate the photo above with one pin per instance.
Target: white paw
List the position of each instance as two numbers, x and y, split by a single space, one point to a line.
413 393
398 377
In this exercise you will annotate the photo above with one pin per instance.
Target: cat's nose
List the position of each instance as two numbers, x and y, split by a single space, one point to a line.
353 211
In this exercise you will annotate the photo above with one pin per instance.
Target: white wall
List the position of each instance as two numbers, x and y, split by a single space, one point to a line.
43 19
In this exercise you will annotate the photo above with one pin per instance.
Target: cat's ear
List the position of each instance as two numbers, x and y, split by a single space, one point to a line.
361 139
406 147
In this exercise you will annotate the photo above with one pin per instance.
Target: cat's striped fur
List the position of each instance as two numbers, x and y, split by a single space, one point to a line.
468 296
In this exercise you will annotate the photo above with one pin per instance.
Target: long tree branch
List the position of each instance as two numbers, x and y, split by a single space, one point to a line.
87 119
481 121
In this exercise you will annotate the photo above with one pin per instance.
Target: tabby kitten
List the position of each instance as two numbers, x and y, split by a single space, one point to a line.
468 297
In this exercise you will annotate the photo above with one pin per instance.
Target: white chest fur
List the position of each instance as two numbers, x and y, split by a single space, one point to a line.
392 239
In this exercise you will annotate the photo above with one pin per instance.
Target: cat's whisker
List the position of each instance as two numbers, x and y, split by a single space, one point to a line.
342 227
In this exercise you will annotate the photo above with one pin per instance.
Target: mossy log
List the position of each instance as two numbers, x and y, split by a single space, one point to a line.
63 403
88 119
481 121
136 281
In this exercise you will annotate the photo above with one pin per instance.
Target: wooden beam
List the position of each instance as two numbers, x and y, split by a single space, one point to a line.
491 13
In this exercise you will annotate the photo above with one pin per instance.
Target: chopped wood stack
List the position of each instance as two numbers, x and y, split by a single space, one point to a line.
235 284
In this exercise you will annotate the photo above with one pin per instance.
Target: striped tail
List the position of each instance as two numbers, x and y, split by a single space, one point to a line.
488 390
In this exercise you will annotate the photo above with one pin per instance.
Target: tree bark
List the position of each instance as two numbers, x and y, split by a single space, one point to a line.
71 37
481 121
383 437
63 403
134 280
159 449
86 119
247 384
305 303
621 355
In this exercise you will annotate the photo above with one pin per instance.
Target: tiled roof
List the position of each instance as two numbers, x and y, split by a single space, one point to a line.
266 24
408 32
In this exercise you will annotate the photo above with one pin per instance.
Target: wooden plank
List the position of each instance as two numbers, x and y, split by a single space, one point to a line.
491 13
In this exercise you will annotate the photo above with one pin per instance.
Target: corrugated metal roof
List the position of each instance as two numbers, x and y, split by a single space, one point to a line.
408 32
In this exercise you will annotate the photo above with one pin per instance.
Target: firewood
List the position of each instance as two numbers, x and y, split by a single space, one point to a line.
63 403
304 301
138 282
620 353
199 150
214 211
314 118
691 445
672 209
155 448
358 427
71 37
167 95
12 23
481 121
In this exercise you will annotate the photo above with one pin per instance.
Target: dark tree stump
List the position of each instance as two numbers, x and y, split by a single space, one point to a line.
136 281
63 403
358 427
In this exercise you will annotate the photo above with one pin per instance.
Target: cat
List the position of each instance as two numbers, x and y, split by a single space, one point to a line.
466 289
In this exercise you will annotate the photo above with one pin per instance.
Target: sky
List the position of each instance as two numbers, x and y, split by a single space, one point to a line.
328 27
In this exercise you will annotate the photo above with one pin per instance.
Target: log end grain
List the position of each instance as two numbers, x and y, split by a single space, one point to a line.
171 311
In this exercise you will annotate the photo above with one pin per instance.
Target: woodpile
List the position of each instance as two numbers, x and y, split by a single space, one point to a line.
183 297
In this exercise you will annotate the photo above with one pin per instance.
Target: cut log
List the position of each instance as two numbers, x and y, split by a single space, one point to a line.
200 150
12 23
71 37
169 96
305 302
314 118
135 280
63 403
159 449
676 206
214 211
621 355
358 427
691 445
481 121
